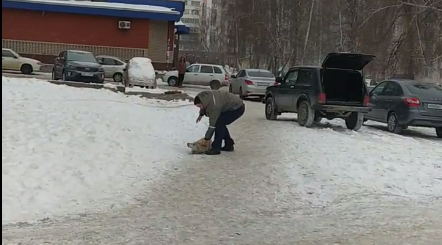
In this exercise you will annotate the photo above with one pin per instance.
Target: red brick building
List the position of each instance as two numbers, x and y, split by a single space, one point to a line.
42 29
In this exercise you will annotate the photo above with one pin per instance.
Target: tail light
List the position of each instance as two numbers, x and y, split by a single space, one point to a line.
322 98
412 102
276 84
226 76
249 82
366 100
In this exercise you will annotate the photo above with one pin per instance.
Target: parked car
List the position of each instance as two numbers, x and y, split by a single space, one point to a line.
11 60
336 89
251 82
199 74
140 72
403 103
113 67
76 65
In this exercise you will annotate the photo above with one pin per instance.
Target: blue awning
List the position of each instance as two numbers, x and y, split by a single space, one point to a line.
181 28
122 10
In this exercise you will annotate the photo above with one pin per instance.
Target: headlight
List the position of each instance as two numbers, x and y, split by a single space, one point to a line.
101 69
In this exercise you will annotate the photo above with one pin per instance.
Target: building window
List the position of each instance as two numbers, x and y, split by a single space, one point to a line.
195 3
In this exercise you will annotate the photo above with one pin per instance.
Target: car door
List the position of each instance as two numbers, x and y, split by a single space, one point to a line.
59 64
219 74
240 80
392 101
206 75
283 98
109 65
10 61
375 102
192 74
303 85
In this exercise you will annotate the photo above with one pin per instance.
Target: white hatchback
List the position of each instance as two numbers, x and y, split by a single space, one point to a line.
199 74
11 60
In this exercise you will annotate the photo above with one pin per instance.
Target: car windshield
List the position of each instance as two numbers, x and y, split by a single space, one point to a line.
424 88
265 74
81 56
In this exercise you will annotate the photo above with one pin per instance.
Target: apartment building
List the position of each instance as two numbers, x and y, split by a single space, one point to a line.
192 17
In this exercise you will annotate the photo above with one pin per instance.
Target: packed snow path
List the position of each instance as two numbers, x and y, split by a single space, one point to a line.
283 185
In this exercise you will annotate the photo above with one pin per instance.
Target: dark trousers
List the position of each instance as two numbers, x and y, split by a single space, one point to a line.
180 80
221 131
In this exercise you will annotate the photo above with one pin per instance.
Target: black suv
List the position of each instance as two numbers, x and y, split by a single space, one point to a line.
336 89
76 65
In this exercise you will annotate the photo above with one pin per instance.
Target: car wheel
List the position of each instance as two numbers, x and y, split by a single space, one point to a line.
54 77
172 81
306 114
439 132
63 76
26 69
270 109
118 77
354 121
393 123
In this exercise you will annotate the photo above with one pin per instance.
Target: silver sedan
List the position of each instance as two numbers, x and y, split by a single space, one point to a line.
251 82
113 67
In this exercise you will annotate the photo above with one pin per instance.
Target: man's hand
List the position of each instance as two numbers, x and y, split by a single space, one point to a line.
199 119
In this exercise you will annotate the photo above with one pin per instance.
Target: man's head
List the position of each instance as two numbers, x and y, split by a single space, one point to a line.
197 101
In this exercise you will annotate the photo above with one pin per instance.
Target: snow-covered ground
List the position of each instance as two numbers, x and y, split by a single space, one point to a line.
69 150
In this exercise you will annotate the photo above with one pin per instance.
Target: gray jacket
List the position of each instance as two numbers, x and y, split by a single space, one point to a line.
216 102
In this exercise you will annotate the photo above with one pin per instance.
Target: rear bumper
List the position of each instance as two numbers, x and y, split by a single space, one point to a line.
342 108
418 120
256 90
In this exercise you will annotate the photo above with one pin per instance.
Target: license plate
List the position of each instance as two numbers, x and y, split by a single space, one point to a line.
87 74
263 84
434 106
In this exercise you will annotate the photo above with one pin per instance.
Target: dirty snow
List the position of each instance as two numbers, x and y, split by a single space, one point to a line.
70 150
106 5
370 161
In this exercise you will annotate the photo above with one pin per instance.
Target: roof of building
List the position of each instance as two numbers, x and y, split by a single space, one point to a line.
156 10
181 28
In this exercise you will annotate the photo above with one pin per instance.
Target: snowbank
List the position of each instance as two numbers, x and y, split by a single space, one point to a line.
71 150
141 72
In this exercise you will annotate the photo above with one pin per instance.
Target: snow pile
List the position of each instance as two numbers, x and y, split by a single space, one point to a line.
141 71
71 150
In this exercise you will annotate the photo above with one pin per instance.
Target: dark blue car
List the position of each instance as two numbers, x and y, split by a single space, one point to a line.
403 103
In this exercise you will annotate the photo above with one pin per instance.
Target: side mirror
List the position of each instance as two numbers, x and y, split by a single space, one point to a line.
279 80
233 76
